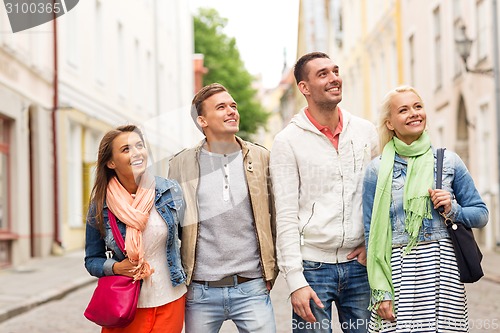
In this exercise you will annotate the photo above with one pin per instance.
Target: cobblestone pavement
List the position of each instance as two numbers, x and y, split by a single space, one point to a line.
56 305
65 315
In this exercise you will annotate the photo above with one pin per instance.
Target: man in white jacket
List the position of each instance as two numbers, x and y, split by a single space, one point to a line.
317 168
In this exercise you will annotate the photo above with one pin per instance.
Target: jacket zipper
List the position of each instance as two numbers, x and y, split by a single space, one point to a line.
343 209
302 231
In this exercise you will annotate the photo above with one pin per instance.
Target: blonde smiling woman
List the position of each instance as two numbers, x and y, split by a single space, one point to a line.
412 268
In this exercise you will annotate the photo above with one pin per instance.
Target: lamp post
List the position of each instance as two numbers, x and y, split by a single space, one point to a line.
463 45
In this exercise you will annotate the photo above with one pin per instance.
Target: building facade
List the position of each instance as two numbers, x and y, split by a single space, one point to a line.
380 44
26 178
120 62
461 105
65 83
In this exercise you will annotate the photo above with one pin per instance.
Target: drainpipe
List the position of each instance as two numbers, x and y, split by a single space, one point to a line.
31 176
496 77
57 240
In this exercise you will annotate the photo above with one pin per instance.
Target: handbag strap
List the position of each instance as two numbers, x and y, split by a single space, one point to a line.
116 232
439 168
439 172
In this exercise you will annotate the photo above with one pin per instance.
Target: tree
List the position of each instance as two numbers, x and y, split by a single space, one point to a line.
222 58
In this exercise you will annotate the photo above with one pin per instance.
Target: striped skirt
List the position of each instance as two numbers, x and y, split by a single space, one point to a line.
429 296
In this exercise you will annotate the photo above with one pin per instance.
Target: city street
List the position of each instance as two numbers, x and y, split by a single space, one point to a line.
66 315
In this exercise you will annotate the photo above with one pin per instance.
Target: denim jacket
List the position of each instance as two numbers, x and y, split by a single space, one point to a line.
467 205
169 204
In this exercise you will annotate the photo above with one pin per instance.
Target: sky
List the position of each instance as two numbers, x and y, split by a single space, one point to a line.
264 30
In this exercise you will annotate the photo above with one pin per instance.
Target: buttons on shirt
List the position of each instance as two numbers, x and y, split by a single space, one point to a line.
225 179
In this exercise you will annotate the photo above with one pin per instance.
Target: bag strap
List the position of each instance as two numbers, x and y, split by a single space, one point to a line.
439 171
116 232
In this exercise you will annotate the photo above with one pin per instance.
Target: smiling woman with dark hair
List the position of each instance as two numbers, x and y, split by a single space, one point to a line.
148 210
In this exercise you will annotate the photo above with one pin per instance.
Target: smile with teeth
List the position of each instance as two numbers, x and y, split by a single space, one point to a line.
137 162
230 121
415 123
333 89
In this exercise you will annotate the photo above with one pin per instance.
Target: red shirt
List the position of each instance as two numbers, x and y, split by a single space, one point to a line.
333 137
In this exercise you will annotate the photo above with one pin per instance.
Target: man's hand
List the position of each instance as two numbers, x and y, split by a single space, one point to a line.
360 253
385 310
300 303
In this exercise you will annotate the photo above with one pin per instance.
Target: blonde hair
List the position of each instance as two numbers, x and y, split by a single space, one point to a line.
385 134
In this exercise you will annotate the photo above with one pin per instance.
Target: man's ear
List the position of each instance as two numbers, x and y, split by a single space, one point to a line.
201 121
111 164
303 87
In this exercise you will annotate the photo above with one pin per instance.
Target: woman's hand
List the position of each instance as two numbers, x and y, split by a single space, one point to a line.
124 267
385 310
441 198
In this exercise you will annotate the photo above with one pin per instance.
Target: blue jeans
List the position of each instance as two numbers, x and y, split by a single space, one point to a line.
247 304
346 284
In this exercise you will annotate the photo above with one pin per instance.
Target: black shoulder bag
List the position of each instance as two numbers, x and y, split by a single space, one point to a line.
466 250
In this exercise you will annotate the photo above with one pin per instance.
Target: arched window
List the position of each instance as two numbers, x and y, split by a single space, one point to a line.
462 145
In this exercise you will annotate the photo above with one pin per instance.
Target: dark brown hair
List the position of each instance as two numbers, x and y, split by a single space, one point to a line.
204 93
299 70
103 174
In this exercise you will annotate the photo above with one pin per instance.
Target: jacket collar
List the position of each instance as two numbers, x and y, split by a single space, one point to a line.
243 144
303 122
163 185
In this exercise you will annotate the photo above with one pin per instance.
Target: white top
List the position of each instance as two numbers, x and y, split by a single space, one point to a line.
157 289
317 192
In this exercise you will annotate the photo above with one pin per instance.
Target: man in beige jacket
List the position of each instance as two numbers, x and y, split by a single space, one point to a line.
228 231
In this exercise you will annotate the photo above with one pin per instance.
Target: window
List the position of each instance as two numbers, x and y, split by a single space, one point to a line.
150 88
121 64
99 45
338 22
437 48
484 153
4 175
457 10
457 60
75 170
411 48
137 75
91 143
482 29
72 40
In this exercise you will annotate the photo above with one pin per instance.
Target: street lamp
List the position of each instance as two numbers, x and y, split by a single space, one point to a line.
463 45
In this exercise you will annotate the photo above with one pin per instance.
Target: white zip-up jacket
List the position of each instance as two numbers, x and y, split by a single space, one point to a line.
317 191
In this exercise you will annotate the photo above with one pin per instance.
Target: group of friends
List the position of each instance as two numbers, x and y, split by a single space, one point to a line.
346 210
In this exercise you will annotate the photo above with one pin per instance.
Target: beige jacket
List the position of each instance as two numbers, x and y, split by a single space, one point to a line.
184 167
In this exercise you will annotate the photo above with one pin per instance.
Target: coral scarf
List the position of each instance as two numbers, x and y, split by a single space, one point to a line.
134 212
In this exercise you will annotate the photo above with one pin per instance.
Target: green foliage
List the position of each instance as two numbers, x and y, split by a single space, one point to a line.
225 66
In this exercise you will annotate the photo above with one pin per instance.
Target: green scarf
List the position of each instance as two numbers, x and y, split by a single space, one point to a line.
417 206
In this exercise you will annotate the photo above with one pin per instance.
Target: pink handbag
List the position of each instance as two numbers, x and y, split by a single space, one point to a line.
114 302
